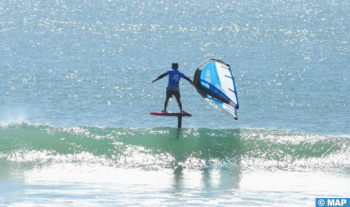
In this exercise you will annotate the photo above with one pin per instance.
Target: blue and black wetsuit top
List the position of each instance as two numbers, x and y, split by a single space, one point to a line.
174 77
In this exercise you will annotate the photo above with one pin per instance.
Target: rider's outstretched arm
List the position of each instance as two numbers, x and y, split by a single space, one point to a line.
189 80
160 77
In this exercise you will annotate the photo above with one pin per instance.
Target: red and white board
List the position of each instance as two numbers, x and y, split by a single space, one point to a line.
169 114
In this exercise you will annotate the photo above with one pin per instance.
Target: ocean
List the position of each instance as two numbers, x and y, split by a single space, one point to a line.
76 93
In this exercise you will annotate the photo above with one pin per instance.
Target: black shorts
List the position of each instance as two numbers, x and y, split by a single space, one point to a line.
170 93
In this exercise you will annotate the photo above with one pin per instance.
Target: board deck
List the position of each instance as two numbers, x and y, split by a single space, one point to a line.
169 114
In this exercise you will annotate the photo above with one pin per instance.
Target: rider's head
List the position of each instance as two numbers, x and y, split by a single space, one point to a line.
174 66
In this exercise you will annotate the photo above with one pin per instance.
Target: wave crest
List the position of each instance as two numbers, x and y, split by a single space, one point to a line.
244 149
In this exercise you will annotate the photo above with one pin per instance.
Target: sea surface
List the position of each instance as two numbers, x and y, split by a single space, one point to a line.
76 91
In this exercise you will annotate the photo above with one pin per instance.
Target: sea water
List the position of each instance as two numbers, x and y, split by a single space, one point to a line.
76 91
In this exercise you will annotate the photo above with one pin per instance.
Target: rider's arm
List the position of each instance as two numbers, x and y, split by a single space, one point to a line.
160 77
189 80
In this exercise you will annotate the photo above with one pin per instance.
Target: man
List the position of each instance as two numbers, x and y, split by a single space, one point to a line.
173 86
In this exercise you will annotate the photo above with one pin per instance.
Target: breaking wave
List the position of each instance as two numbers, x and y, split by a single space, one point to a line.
26 146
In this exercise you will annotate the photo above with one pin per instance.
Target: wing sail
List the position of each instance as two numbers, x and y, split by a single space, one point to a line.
215 83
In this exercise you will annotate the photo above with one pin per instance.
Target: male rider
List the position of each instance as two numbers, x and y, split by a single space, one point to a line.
173 86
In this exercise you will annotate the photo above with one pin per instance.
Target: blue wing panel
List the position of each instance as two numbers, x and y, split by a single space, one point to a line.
218 93
210 79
